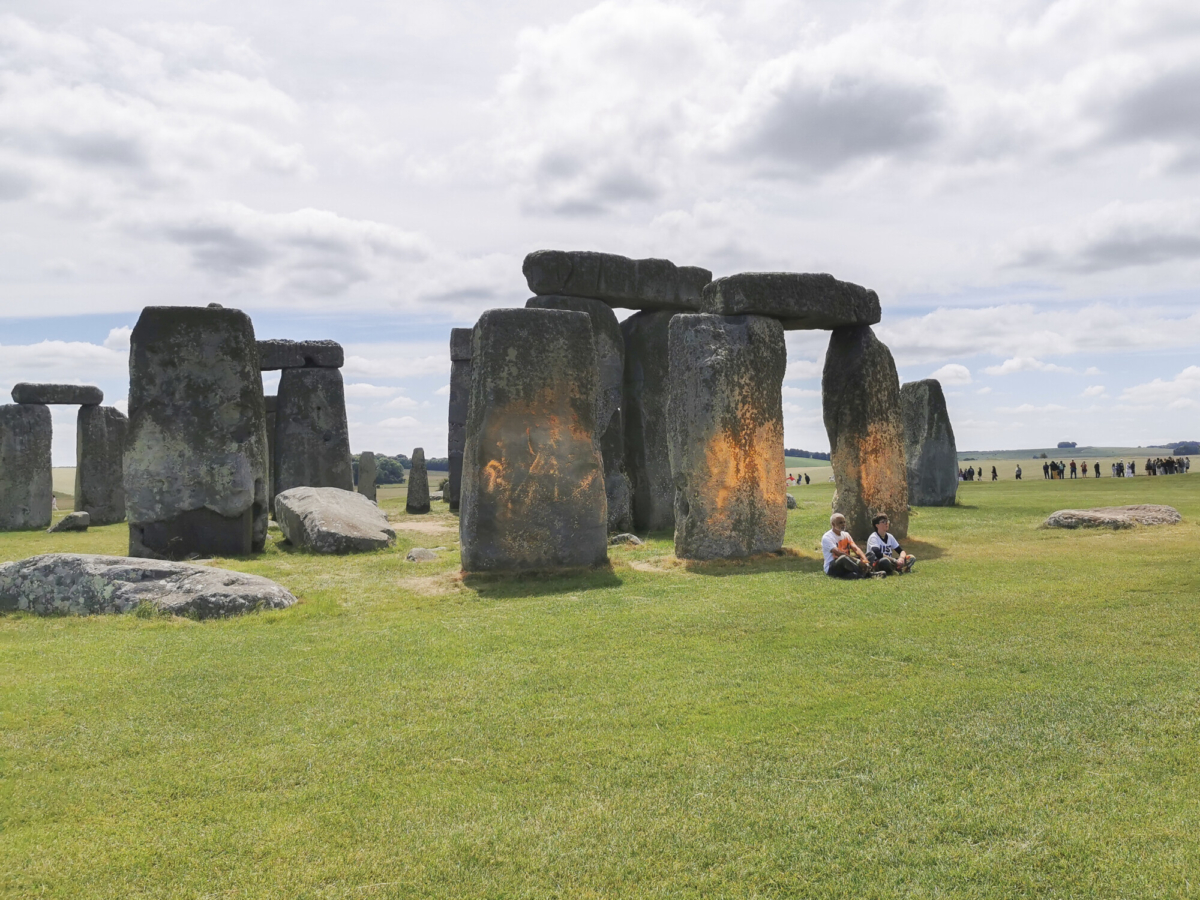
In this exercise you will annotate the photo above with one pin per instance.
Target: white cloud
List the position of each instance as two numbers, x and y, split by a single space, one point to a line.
803 368
1180 393
1024 364
953 373
1092 370
1030 408
362 389
443 391
1095 390
118 339
984 390
796 392
402 403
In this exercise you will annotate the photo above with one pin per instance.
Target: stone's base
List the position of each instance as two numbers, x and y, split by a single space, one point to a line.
725 418
83 584
26 479
195 533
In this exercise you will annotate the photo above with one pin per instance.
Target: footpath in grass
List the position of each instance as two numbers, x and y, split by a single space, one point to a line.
1018 718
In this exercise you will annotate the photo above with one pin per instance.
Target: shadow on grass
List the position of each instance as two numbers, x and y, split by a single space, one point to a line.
511 585
923 550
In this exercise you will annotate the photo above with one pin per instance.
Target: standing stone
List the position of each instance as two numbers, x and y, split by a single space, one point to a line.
610 358
99 449
272 405
26 479
644 408
533 478
725 428
366 474
196 449
312 438
460 397
860 395
418 485
929 452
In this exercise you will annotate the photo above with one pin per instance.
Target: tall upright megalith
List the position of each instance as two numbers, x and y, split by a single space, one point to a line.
26 478
99 451
610 359
272 405
533 477
417 498
195 462
366 474
644 411
460 398
312 437
725 432
860 396
930 455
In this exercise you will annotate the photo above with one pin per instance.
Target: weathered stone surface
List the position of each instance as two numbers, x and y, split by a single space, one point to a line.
26 480
420 554
84 584
644 413
533 478
58 394
331 520
366 474
196 448
75 521
631 540
791 502
417 500
272 405
281 354
930 455
610 357
798 300
312 438
617 280
1116 517
460 397
725 420
860 395
99 449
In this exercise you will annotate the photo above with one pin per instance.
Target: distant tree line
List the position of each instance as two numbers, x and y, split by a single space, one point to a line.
806 454
391 469
1185 448
1066 445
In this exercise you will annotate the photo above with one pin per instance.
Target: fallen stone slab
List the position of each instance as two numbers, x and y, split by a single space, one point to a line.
58 394
800 301
84 583
725 421
617 280
631 539
330 520
1114 517
420 554
76 521
26 477
281 354
929 450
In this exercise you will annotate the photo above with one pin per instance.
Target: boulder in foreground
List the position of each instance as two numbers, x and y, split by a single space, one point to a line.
330 520
798 300
1114 517
85 583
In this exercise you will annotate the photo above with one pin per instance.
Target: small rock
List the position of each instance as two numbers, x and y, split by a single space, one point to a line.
436 495
791 502
76 521
631 539
420 554
1114 517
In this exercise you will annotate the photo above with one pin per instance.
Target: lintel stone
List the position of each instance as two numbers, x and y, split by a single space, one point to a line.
58 394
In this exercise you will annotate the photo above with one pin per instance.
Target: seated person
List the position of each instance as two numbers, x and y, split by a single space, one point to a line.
840 551
883 551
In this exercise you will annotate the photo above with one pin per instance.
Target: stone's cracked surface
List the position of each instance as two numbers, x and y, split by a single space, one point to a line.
58 394
644 411
610 357
533 477
331 520
366 475
312 438
1116 517
417 497
860 397
725 419
617 280
76 521
196 448
100 435
83 584
930 455
460 397
26 478
800 301
281 354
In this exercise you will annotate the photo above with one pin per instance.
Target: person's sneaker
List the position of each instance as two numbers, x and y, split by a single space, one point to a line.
879 574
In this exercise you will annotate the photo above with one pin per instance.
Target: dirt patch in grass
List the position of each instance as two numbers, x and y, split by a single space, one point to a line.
424 526
431 585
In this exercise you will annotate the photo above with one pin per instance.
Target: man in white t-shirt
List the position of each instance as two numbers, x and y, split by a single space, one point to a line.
840 551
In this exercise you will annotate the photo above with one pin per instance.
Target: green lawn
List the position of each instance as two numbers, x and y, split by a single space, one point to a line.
1018 718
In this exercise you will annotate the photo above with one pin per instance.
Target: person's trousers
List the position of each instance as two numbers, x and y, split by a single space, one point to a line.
845 567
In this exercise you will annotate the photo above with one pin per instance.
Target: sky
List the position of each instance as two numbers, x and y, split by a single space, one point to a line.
1019 181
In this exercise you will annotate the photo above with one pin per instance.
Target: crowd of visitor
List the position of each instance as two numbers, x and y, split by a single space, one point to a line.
1057 470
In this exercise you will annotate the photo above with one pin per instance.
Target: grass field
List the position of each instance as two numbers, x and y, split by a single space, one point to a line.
1018 718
